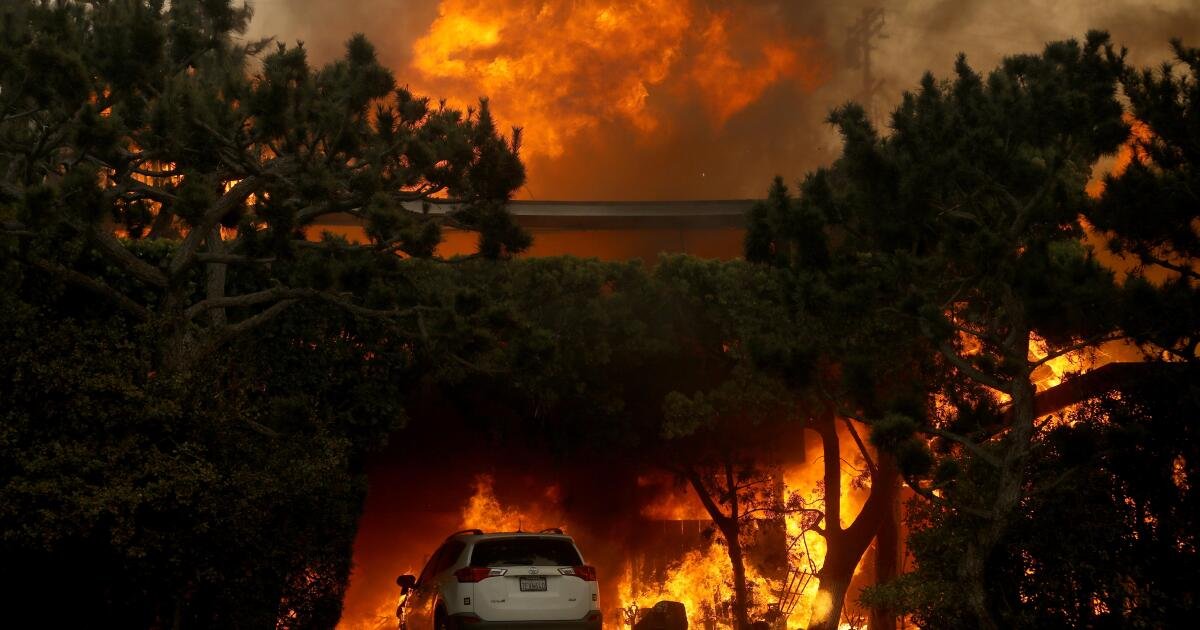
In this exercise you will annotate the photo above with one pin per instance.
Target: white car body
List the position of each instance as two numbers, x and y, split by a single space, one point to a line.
503 580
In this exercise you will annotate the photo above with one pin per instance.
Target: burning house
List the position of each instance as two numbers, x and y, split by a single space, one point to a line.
645 529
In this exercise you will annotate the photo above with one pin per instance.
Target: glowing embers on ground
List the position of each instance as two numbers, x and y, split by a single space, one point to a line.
561 66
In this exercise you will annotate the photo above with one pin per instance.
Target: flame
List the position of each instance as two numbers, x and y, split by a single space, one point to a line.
809 547
702 579
384 615
1051 373
1139 135
560 67
715 65
484 511
673 502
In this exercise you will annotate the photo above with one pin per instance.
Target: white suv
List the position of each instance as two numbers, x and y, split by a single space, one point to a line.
502 580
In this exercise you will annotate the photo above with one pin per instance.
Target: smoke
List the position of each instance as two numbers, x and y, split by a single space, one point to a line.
926 34
687 99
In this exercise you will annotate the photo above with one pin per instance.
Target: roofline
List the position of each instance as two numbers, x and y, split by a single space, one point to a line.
703 213
491 534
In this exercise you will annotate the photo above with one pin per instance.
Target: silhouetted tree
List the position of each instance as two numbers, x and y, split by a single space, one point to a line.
722 432
191 384
960 229
135 131
835 306
1150 210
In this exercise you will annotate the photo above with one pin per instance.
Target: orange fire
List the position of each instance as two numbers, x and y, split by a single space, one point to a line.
702 579
559 67
674 502
1139 135
484 511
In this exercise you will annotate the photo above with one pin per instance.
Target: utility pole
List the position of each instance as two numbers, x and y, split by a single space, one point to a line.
859 44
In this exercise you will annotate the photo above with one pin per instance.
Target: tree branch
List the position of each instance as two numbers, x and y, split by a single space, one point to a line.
1188 271
971 371
95 285
232 259
1091 341
286 293
233 330
187 250
118 253
713 509
975 449
862 448
929 494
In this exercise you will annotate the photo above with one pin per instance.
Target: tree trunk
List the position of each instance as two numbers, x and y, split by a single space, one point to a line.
216 274
887 542
1009 490
972 572
731 530
845 546
741 619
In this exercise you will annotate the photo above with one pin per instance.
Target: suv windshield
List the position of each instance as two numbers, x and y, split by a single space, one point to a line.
525 551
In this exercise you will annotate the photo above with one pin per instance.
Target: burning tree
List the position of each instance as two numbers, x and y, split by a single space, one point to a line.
829 310
720 446
724 438
960 231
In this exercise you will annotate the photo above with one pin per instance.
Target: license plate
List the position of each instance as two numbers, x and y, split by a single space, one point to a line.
533 584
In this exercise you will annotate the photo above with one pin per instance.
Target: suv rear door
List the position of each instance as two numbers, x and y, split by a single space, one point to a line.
421 603
538 584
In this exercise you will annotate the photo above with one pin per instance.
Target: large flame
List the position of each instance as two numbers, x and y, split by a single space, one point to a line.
673 501
559 67
484 511
702 579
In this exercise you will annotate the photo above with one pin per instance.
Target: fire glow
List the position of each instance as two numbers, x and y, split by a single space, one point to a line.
699 577
561 67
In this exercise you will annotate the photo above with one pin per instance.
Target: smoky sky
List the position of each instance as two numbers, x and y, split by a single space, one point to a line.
782 130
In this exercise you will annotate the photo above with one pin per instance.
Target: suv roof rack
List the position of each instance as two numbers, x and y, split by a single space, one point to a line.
552 530
476 532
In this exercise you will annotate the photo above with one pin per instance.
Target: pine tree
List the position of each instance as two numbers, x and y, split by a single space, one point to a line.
958 231
155 160
1151 210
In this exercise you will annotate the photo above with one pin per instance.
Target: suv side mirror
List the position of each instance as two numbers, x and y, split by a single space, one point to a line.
406 583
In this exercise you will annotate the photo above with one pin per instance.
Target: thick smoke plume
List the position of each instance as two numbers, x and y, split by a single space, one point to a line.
687 99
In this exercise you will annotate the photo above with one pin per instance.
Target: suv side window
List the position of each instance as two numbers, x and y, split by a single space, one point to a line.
441 560
450 553
434 560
